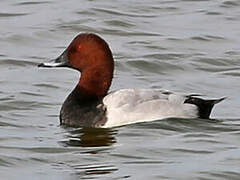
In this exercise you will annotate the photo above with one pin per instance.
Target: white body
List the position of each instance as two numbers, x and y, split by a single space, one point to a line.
128 106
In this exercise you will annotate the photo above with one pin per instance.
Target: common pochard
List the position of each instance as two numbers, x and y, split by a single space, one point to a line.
90 105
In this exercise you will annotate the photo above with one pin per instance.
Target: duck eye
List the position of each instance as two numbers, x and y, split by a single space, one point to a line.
79 47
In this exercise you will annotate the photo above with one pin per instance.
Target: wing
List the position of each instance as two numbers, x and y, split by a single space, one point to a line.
138 105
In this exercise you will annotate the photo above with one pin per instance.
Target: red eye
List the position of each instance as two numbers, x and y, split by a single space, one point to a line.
79 47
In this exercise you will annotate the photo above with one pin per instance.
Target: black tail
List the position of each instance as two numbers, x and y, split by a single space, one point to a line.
204 106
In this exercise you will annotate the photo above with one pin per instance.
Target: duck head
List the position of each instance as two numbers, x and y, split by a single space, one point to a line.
90 55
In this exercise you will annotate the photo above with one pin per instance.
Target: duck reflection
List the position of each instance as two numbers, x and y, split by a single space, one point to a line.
90 137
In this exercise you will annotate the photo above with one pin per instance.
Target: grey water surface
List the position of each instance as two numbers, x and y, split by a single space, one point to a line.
179 45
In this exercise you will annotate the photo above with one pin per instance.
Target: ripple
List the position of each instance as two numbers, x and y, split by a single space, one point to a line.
154 67
127 156
128 33
207 38
13 14
48 150
14 62
230 4
21 39
118 13
223 175
7 98
46 85
104 30
191 151
5 163
199 38
195 0
45 150
148 162
197 135
118 23
6 124
33 3
215 37
88 13
168 8
31 94
216 65
224 70
94 169
191 125
213 13
166 56
214 61
175 39
204 141
21 105
234 74
234 53
37 57
9 161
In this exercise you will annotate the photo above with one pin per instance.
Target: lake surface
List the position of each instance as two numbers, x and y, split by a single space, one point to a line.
179 45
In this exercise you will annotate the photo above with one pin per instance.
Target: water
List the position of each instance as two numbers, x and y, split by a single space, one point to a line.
182 45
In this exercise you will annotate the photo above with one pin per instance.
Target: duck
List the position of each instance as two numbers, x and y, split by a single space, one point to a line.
91 105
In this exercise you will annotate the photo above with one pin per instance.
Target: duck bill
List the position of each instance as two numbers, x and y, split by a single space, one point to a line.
61 61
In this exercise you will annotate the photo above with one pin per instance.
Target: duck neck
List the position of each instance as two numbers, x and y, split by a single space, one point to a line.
94 83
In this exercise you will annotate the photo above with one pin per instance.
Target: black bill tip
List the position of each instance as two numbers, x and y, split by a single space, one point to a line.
40 65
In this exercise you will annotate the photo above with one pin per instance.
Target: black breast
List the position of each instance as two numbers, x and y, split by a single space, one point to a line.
81 112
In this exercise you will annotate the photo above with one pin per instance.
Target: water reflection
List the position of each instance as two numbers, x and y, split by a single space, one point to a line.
90 137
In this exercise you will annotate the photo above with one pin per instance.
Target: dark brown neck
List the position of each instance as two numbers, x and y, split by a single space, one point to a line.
94 83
